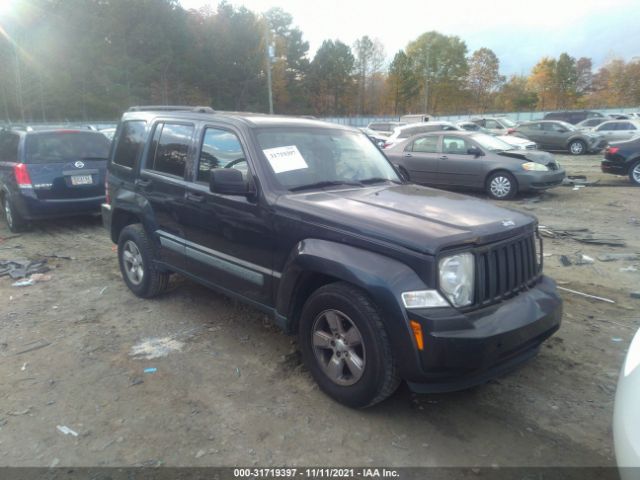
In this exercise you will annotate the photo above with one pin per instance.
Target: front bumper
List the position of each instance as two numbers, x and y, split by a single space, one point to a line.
462 350
539 180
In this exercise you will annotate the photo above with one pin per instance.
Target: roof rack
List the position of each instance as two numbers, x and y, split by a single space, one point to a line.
172 108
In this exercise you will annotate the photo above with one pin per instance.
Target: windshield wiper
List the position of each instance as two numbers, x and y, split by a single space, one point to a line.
367 181
325 183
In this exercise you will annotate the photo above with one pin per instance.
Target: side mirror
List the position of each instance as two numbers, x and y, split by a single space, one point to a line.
227 181
475 151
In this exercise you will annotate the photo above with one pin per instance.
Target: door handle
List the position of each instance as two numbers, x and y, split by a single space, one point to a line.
142 183
194 197
407 155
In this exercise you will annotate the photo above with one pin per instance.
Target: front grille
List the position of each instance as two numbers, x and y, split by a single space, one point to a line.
504 269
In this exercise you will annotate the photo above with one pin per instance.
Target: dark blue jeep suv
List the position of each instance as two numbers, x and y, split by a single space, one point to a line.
51 173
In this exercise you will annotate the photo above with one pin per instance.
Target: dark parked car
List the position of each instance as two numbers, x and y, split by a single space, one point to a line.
51 173
474 160
574 116
556 135
623 158
382 280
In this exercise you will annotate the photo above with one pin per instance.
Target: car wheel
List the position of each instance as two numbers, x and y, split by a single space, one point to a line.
135 255
502 186
345 346
577 147
14 220
634 173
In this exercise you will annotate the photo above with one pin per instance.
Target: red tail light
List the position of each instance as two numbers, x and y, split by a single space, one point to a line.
510 131
611 150
386 145
22 175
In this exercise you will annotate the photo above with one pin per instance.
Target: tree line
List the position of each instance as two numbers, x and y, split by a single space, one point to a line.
70 60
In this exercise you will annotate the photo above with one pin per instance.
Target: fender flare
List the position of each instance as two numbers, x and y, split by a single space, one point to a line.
383 278
127 202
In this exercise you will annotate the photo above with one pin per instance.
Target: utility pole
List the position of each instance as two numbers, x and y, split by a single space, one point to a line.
269 55
426 83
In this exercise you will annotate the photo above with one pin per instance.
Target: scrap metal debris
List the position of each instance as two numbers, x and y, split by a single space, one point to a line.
578 181
21 267
583 235
66 430
612 257
602 299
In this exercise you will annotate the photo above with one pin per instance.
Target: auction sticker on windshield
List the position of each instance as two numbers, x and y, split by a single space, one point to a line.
285 159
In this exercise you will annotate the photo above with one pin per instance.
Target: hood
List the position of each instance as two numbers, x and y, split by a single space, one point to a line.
545 158
418 218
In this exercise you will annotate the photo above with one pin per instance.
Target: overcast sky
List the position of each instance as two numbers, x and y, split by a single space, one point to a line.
519 32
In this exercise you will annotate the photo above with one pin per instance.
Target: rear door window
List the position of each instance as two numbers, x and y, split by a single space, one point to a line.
626 126
54 147
454 145
170 148
220 149
130 143
427 144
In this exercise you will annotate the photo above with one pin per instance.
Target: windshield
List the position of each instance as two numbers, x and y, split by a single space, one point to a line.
63 146
491 143
305 157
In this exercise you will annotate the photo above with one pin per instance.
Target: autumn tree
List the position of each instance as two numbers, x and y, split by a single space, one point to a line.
403 85
330 78
369 60
441 62
516 96
542 81
483 77
566 79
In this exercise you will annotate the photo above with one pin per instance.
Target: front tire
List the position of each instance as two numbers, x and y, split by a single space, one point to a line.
634 173
577 147
502 186
136 255
345 346
14 220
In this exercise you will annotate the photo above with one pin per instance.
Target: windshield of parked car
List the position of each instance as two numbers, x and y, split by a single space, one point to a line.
53 147
315 157
491 143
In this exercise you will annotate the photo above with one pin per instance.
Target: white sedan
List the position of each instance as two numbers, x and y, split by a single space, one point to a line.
626 414
517 143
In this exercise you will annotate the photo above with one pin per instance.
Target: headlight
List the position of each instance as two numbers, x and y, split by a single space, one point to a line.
534 167
423 299
457 278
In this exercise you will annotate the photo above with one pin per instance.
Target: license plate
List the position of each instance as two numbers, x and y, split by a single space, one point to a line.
81 180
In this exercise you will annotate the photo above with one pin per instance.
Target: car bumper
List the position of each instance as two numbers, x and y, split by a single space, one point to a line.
614 168
33 208
462 350
540 180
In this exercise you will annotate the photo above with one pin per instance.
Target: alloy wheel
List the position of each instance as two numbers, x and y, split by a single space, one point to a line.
636 173
7 213
577 148
500 186
338 347
133 264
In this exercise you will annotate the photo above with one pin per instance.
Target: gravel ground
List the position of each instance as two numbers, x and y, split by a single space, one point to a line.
229 388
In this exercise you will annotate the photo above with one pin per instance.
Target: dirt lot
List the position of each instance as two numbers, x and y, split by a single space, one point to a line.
231 390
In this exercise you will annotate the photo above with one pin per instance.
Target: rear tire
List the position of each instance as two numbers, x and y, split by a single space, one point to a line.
577 147
136 255
345 346
634 173
15 221
501 186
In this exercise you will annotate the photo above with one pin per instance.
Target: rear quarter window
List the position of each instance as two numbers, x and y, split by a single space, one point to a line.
130 143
